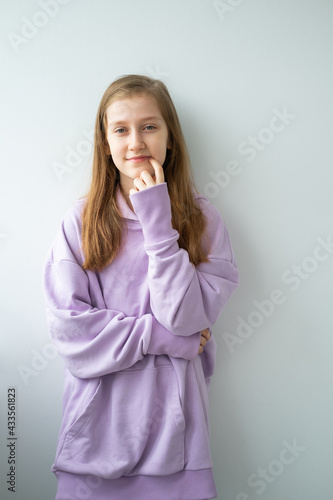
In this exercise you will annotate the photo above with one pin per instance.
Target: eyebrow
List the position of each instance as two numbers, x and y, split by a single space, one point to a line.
145 119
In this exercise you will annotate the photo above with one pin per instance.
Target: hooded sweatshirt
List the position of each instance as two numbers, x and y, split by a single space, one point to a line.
135 402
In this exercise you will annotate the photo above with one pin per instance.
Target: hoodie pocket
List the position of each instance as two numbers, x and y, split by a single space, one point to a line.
133 424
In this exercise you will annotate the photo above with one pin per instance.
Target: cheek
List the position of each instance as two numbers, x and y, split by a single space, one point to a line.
114 147
163 145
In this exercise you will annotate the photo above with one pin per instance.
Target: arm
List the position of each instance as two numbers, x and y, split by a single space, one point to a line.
184 298
95 341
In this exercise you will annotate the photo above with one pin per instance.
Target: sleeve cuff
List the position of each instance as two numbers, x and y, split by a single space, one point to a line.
162 341
153 208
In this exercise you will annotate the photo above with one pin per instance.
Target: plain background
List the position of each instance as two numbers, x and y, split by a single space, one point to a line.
230 67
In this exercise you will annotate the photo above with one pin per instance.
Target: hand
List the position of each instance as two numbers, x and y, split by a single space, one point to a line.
147 180
205 336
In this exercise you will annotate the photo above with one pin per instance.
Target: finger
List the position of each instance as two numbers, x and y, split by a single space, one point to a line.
200 349
159 172
147 178
133 191
206 333
204 341
139 184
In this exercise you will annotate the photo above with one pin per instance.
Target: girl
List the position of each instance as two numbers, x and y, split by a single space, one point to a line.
140 270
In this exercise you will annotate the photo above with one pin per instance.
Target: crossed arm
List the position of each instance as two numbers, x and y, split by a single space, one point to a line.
145 181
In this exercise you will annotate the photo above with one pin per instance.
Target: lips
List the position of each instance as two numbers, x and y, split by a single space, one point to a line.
138 158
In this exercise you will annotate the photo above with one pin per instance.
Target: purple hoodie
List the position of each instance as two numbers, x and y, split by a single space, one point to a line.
136 390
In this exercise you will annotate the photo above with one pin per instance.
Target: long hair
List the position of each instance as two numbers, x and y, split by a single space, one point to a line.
102 223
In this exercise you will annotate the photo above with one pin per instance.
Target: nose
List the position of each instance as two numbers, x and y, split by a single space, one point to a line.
136 141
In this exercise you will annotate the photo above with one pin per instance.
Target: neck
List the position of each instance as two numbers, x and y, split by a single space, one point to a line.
123 192
127 199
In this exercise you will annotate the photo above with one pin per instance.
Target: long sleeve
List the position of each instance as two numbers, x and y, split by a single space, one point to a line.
184 298
94 341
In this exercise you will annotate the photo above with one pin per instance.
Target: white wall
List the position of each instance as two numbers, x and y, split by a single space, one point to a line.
230 67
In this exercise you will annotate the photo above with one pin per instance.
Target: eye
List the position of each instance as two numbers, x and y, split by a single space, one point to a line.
150 127
119 130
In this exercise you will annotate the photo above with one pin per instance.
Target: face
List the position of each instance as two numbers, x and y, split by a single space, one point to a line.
136 131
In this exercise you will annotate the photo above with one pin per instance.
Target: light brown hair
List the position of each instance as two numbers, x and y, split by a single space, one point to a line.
102 223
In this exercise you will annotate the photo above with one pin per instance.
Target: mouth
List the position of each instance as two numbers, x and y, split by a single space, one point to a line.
136 159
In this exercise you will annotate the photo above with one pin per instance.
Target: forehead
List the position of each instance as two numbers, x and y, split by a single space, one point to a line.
133 108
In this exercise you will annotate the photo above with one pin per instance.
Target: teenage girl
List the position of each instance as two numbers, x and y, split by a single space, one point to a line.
140 270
